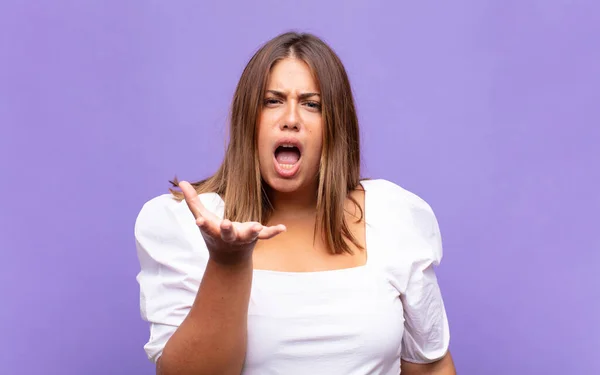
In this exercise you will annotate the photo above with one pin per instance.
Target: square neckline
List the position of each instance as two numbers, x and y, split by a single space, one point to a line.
363 183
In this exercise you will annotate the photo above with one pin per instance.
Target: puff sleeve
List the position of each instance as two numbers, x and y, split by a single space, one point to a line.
426 330
171 268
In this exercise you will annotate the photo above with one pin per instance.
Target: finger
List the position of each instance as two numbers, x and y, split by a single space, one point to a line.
248 232
191 198
270 232
204 225
228 232
194 203
205 220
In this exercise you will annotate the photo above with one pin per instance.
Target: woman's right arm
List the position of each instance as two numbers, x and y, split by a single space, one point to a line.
195 299
212 338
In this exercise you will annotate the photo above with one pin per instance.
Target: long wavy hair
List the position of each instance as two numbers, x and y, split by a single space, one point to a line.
238 180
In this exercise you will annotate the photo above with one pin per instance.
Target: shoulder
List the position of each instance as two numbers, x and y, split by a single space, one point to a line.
407 215
165 233
395 197
154 211
162 213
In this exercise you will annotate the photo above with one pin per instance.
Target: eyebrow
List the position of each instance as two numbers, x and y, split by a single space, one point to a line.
305 95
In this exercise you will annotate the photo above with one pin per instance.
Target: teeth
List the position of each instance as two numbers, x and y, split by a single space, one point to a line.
286 166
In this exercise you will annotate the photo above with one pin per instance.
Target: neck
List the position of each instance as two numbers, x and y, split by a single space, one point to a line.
297 203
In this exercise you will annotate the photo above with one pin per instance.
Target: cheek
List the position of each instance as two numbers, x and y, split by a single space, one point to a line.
265 158
264 152
261 137
316 135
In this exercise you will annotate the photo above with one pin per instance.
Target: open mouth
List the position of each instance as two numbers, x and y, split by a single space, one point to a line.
287 155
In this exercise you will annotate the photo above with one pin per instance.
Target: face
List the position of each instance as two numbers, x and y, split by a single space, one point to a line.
290 128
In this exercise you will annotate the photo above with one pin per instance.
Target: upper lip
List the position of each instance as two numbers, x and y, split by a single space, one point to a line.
288 141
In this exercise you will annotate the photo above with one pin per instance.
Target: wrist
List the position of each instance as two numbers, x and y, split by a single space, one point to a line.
231 260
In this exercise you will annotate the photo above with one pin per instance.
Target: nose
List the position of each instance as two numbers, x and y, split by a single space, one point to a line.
291 120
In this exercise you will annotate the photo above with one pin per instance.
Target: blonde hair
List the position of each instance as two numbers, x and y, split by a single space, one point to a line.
238 180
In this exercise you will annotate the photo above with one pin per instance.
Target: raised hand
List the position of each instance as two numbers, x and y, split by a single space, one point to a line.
226 239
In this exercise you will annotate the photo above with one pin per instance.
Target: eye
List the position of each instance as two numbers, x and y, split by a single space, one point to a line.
313 105
269 102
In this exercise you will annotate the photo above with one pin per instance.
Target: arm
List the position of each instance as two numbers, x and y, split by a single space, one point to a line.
212 338
444 366
195 295
426 336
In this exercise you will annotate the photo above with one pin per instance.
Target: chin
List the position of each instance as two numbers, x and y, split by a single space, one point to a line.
284 185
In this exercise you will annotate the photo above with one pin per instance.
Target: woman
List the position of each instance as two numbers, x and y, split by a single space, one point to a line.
312 271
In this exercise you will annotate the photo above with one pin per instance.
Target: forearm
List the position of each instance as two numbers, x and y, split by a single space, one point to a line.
444 366
212 339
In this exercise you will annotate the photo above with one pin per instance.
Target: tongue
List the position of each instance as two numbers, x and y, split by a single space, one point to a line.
287 157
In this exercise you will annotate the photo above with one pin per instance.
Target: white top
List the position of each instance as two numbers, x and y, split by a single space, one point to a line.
353 321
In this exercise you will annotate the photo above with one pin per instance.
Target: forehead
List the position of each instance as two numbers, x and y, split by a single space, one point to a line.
291 74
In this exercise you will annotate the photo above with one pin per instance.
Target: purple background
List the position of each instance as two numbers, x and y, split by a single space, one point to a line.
487 109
